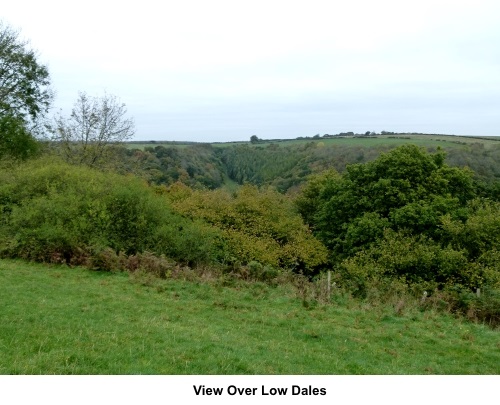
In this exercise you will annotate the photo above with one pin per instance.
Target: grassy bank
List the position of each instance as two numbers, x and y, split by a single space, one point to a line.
59 320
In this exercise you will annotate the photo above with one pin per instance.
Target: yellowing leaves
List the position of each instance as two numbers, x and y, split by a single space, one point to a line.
259 225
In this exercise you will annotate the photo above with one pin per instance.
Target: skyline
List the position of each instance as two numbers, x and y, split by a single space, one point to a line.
223 71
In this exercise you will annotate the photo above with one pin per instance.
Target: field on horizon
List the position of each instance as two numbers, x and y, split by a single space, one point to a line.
61 320
425 140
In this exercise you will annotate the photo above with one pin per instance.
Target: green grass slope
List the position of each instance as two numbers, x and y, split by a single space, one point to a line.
60 320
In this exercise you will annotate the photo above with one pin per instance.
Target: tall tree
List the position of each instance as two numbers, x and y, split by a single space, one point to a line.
94 126
24 82
405 189
25 95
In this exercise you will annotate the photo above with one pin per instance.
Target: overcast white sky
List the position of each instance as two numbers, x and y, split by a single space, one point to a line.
219 70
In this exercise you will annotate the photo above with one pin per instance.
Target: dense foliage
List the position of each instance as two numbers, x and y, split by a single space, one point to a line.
258 225
52 211
405 189
405 215
16 141
196 166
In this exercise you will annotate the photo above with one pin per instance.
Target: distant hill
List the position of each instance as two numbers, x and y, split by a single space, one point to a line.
286 163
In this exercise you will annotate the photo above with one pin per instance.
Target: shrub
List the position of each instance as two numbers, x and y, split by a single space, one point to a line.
52 211
487 307
416 260
107 259
15 139
258 272
483 307
256 225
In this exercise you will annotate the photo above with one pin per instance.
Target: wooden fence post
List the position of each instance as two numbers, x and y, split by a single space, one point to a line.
329 283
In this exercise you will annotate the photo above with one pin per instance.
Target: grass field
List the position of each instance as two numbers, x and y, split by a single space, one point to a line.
445 141
60 320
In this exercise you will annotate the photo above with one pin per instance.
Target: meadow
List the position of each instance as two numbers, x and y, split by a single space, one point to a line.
61 320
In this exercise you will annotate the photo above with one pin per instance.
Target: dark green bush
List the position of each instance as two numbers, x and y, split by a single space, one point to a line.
405 189
16 141
417 260
406 215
